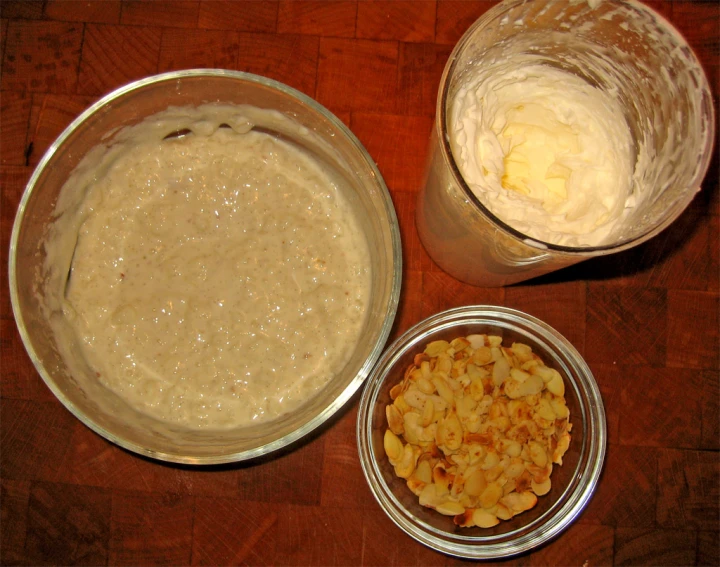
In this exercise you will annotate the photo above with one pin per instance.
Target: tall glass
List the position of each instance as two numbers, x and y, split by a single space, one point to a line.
618 47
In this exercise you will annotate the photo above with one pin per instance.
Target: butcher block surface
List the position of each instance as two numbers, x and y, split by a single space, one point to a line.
646 320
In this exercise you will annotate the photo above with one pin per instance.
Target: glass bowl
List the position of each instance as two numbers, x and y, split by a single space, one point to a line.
573 483
300 121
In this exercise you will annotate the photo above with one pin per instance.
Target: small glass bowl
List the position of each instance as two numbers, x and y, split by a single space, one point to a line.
573 483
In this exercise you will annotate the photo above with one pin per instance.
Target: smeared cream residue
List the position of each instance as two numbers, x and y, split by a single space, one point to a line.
546 152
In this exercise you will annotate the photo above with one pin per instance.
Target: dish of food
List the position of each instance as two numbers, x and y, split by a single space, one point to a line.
483 425
219 277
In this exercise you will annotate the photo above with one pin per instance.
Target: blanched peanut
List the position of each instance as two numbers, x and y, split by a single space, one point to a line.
515 389
396 390
413 427
438 403
556 385
494 473
464 407
544 409
429 496
473 423
401 404
407 463
423 472
490 496
515 468
541 488
450 508
491 460
519 501
476 483
393 447
394 419
494 341
522 352
436 348
559 408
539 474
476 341
415 398
509 447
425 385
501 371
443 390
485 404
501 423
503 512
475 427
562 447
461 343
476 453
428 412
483 519
482 356
543 371
519 375
449 432
477 388
444 364
538 454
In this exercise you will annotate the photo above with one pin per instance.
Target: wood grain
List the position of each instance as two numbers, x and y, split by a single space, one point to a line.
646 320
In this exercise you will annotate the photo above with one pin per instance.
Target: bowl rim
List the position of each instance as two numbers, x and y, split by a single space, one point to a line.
393 297
571 501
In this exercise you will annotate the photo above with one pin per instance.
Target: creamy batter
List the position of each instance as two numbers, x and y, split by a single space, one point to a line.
546 152
220 277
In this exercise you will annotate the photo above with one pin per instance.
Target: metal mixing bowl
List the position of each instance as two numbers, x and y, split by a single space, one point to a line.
573 483
324 137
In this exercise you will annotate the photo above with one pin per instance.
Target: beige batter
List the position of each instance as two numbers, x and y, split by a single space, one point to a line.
220 278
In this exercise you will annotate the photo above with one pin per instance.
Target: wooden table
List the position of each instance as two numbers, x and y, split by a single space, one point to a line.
646 320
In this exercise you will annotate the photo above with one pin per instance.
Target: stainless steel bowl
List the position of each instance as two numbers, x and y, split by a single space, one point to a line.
325 137
573 483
